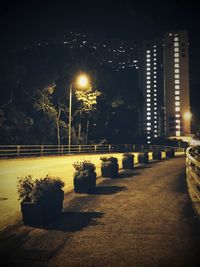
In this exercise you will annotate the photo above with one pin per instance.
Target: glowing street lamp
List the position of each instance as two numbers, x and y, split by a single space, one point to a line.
187 116
81 83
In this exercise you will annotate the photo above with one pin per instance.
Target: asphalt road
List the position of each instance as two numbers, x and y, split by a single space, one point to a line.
142 219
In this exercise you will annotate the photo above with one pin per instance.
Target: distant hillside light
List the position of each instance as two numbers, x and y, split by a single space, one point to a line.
187 115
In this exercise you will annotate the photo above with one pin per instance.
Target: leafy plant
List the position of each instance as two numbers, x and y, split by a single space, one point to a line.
84 166
111 158
30 190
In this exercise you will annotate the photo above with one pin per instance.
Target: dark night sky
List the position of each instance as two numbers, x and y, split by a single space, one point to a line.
23 21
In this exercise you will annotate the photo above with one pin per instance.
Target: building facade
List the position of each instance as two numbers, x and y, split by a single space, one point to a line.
164 80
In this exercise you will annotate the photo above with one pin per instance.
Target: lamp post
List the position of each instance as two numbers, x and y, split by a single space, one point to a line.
81 83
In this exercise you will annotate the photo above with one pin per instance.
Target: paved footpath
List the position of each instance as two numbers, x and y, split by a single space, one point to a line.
142 219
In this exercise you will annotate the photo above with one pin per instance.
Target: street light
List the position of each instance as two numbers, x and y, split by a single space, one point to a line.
81 83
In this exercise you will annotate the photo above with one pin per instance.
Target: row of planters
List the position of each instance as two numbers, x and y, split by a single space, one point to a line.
42 199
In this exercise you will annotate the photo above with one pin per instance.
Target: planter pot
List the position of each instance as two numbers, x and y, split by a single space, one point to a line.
170 153
42 213
157 155
84 182
109 169
143 157
127 162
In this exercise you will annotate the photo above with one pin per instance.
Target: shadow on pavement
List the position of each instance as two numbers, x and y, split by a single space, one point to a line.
75 221
128 174
108 190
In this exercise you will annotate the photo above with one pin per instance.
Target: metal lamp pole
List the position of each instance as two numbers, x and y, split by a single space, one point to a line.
70 118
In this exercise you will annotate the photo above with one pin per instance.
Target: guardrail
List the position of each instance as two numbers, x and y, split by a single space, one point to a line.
42 150
193 177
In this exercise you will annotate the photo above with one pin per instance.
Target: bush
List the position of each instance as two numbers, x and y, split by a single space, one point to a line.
84 177
109 167
170 152
38 190
157 155
143 157
127 161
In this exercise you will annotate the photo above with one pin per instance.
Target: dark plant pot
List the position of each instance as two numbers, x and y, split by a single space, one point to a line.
143 157
42 213
157 155
170 153
127 163
109 169
84 183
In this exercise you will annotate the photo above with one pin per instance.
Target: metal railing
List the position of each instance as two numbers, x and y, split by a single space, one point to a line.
45 150
193 171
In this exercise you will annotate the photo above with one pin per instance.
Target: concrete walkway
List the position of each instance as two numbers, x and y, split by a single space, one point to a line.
144 218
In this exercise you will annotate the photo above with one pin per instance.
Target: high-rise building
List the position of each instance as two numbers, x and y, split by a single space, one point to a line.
176 84
164 80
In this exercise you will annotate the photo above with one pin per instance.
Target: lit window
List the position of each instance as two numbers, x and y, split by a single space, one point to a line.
177 92
148 55
148 109
148 82
154 63
177 97
155 68
177 86
148 64
176 54
154 59
148 137
148 100
148 78
148 95
148 104
155 99
176 60
148 60
176 39
177 108
148 113
155 131
154 85
148 124
176 49
148 51
176 65
154 54
148 118
178 127
148 69
155 126
178 121
148 73
178 133
176 76
177 115
155 81
155 77
155 108
155 94
177 103
175 44
148 128
148 91
176 70
155 135
148 142
155 112
148 86
177 81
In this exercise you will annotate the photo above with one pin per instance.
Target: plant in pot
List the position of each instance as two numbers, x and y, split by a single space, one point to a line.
41 199
170 152
157 155
84 177
109 167
127 161
143 157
